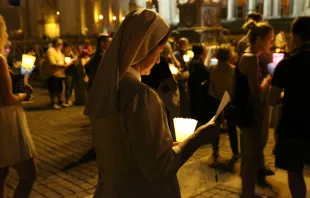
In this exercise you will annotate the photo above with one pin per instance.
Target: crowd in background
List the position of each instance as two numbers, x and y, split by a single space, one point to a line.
191 79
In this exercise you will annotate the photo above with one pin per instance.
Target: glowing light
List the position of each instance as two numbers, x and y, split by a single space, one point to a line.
213 61
58 13
186 58
28 61
184 127
123 18
173 69
67 60
277 57
114 18
100 17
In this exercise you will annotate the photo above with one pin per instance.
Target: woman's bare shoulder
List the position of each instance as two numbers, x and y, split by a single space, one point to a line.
3 64
248 58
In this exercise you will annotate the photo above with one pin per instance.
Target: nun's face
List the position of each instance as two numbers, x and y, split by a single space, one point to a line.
150 60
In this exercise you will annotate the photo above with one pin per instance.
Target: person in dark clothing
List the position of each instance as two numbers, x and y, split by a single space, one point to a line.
293 137
198 84
70 72
91 67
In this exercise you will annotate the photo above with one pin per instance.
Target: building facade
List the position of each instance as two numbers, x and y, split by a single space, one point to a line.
52 18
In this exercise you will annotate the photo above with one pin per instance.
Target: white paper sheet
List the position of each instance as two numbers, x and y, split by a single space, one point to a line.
224 102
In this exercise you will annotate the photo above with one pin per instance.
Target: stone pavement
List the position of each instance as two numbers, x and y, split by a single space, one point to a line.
62 137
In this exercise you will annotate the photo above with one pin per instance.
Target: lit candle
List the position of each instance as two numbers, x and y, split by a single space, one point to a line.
184 127
28 61
186 58
67 60
213 61
277 57
27 64
173 69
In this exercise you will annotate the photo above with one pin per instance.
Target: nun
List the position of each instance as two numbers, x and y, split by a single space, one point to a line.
135 152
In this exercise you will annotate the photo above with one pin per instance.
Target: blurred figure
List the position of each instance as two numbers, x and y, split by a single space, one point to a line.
179 55
91 67
292 76
198 84
70 71
243 43
86 51
251 99
16 146
174 40
182 50
56 67
222 77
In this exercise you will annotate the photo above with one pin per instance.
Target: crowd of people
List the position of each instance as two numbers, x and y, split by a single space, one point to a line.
142 78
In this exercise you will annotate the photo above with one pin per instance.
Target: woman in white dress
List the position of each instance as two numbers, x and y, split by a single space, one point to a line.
135 152
16 146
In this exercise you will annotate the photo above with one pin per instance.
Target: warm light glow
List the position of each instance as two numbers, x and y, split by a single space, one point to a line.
184 127
114 18
277 57
100 17
278 50
190 54
213 61
173 69
58 13
123 18
28 61
186 58
67 60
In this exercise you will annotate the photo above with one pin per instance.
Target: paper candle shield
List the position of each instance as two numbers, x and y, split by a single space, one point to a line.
67 60
28 61
173 69
184 127
186 58
277 57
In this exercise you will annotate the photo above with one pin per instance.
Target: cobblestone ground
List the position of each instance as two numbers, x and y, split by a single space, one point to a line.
62 137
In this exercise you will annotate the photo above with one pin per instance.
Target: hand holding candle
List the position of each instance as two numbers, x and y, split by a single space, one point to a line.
27 64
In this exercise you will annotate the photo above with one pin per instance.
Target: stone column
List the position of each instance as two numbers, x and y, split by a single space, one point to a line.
251 6
69 13
174 12
276 8
297 7
307 4
164 10
267 8
231 9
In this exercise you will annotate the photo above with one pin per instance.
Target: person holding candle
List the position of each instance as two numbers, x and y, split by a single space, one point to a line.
16 146
71 70
57 66
131 136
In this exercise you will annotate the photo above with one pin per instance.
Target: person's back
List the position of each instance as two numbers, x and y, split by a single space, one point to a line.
296 110
221 80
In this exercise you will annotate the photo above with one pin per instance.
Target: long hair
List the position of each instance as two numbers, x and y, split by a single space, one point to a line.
2 35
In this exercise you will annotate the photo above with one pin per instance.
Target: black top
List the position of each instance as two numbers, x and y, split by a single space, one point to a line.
292 75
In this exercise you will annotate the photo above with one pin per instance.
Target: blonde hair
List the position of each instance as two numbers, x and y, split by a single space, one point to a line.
256 30
2 34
